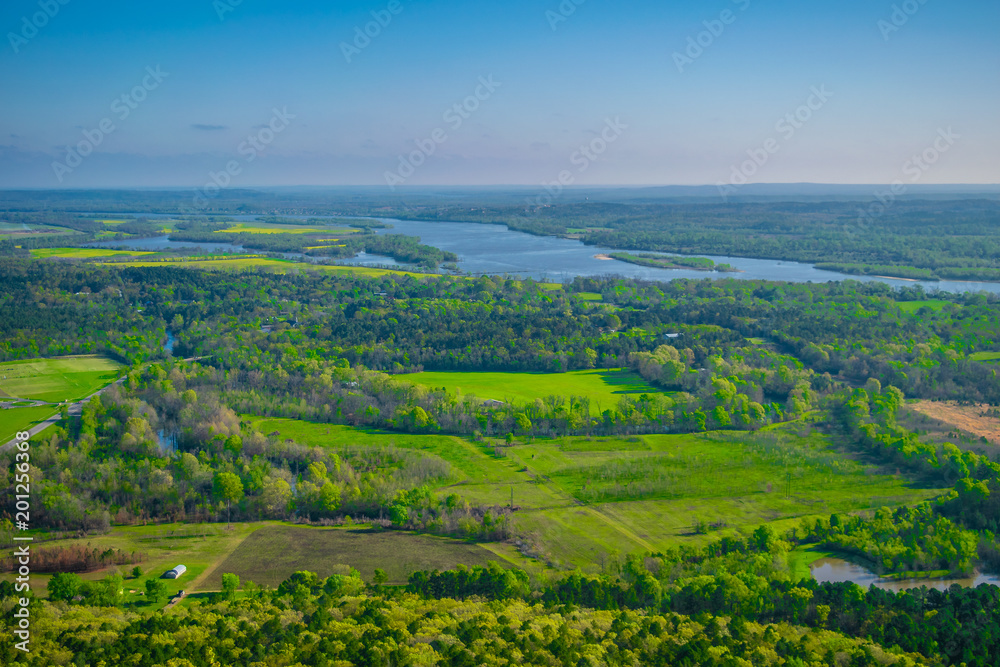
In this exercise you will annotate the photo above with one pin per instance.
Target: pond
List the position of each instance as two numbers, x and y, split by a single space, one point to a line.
838 570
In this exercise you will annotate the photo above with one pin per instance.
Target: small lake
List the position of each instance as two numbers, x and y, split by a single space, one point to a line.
839 570
498 250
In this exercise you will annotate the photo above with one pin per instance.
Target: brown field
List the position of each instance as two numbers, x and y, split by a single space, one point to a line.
271 555
969 418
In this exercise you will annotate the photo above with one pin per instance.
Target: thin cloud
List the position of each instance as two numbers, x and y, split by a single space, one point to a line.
208 128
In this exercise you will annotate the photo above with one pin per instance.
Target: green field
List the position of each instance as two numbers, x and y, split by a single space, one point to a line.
267 553
15 420
914 306
579 498
275 265
270 228
198 546
85 253
56 380
985 356
604 388
273 554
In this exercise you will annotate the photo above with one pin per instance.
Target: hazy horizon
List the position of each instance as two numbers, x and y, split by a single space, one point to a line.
400 93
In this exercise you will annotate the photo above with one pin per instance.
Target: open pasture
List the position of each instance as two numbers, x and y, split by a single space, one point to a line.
280 266
604 388
198 546
15 420
271 228
57 380
86 253
579 499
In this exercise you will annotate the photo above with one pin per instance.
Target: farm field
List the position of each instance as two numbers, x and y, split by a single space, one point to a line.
86 253
579 499
271 228
969 418
604 388
272 554
56 380
275 265
198 546
985 356
14 420
12 232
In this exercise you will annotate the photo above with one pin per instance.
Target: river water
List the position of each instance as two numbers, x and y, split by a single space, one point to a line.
498 250
838 570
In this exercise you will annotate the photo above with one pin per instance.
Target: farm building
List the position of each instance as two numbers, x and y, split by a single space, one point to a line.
175 573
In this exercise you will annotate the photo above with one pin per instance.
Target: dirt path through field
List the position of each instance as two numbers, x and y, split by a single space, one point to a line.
969 418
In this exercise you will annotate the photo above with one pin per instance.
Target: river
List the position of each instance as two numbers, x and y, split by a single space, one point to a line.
837 570
498 250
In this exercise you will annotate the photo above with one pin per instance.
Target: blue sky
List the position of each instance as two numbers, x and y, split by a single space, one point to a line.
689 119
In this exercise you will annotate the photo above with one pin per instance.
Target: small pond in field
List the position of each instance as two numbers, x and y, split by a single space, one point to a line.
839 570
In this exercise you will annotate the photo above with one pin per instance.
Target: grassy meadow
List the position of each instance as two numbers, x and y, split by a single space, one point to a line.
580 498
86 253
56 380
15 420
242 263
604 388
198 546
271 228
266 553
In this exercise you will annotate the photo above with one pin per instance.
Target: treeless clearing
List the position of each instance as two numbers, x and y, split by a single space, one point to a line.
970 418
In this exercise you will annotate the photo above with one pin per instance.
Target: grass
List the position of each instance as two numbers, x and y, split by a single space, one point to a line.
604 388
59 379
14 420
276 265
589 296
267 228
801 559
578 498
198 546
662 489
266 553
914 306
272 554
85 253
985 356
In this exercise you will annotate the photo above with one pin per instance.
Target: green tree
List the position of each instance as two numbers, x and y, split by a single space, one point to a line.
276 497
156 590
228 487
64 586
230 584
